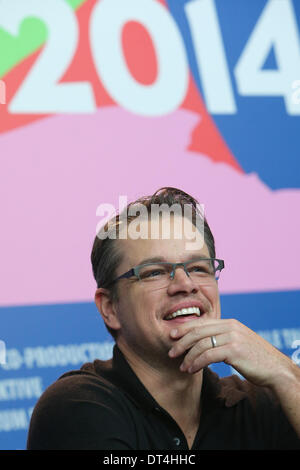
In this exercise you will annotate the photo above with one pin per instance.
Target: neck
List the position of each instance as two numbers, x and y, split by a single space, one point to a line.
175 391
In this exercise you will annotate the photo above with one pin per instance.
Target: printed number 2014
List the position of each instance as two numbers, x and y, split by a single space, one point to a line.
42 93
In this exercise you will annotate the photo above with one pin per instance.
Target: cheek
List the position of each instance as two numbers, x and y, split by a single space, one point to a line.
134 305
212 295
218 307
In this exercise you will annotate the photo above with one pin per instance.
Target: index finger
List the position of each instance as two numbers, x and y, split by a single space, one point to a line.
184 328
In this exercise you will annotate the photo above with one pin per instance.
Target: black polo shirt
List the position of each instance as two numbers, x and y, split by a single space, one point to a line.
104 406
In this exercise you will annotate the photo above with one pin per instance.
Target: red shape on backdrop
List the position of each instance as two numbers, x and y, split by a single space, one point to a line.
206 138
139 53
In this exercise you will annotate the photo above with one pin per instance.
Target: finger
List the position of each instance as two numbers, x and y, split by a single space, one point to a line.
208 357
198 333
202 346
222 325
183 329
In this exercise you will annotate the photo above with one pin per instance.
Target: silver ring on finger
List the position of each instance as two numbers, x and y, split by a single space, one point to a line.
213 341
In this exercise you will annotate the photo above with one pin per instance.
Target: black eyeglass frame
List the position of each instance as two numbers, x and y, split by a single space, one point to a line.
135 270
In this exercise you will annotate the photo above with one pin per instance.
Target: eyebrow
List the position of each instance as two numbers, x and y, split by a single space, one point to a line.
156 259
161 259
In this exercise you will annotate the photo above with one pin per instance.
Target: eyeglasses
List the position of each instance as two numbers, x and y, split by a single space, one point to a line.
202 270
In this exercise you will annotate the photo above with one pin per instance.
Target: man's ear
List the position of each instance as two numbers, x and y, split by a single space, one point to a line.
107 308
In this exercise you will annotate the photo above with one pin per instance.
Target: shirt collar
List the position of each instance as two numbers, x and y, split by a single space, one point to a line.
215 391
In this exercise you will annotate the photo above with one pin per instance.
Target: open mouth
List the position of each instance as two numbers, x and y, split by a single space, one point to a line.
183 313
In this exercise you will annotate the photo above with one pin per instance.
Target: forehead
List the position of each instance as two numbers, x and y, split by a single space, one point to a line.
171 238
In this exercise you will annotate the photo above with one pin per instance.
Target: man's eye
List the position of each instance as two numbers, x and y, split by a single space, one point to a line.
200 269
197 268
153 273
156 272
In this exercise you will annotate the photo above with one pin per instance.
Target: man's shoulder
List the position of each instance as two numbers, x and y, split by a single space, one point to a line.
90 381
234 389
77 409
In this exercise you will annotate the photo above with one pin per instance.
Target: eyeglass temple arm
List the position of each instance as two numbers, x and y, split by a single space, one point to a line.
126 275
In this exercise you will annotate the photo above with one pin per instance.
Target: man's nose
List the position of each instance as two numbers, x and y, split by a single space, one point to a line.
181 281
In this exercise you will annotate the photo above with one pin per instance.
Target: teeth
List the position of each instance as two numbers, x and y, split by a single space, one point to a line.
184 311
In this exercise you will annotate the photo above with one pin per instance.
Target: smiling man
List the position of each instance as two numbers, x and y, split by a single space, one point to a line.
159 299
